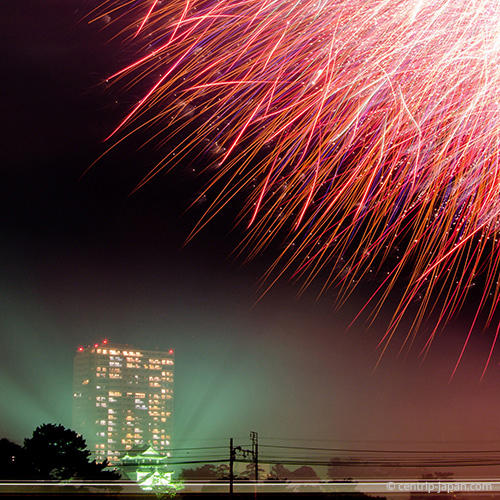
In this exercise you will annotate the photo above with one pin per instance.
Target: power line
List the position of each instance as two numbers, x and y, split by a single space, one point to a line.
314 457
139 449
415 441
360 450
382 463
139 464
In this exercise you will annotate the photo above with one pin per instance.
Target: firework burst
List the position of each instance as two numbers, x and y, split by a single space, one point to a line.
362 125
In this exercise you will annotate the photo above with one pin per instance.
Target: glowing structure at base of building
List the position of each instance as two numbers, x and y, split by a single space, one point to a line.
150 470
123 399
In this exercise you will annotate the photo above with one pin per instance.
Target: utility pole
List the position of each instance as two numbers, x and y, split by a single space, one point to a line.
255 453
231 465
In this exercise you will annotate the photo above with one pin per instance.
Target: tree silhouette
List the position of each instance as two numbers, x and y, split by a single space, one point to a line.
206 472
278 472
222 471
249 472
13 463
57 453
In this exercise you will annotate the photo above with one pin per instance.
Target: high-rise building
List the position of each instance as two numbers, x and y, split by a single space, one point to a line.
123 398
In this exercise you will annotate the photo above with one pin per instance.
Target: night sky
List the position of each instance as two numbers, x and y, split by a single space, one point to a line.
82 260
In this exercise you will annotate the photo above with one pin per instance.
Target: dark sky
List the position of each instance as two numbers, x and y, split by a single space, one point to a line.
83 260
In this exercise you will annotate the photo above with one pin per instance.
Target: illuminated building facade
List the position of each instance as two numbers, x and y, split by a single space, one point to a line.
123 398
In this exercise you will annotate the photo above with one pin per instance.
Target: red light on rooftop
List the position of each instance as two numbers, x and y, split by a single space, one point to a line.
105 341
171 351
80 349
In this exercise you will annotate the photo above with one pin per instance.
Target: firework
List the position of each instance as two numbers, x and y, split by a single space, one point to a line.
358 125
